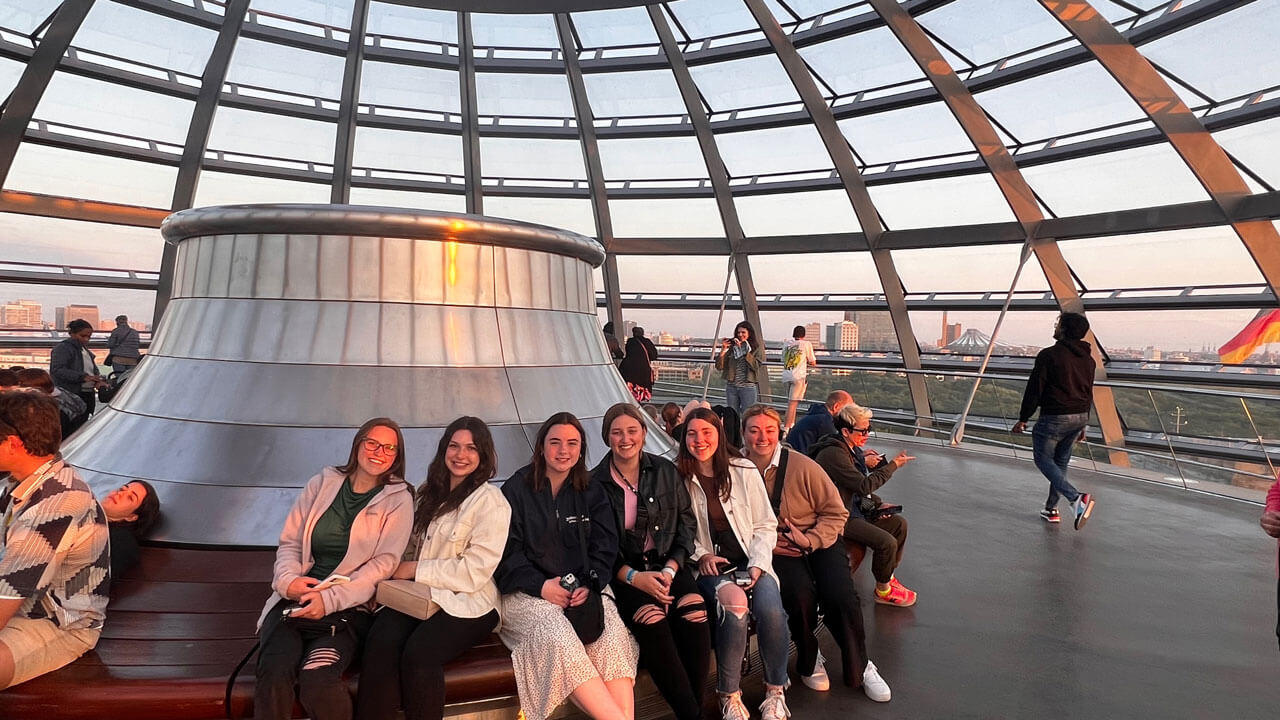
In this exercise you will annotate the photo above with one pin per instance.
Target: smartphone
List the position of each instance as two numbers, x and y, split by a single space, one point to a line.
331 581
290 609
742 578
886 510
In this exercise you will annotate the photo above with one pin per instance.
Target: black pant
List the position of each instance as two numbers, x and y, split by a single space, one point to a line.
404 660
820 582
887 538
675 651
315 662
90 399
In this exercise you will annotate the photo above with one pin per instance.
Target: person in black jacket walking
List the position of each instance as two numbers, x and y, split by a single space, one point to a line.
1061 385
657 596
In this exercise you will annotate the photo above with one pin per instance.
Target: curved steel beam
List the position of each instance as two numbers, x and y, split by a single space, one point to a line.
1017 193
716 170
1188 136
856 189
470 116
349 105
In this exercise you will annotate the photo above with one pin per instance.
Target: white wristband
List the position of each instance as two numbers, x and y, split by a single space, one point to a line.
669 570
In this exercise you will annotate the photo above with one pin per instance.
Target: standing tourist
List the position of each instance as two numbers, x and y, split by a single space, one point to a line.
739 361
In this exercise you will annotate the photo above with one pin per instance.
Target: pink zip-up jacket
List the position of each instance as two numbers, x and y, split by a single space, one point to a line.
379 536
1273 505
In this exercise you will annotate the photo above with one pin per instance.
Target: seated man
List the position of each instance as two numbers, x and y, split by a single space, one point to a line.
73 411
817 422
131 510
857 474
54 557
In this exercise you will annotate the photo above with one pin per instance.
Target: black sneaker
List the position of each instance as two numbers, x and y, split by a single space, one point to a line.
1084 508
1051 516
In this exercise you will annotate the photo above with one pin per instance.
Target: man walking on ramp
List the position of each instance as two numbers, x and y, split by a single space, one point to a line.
1061 385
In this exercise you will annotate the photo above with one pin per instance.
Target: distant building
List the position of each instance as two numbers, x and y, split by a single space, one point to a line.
666 338
627 327
24 314
64 315
950 333
1152 353
813 333
875 330
843 335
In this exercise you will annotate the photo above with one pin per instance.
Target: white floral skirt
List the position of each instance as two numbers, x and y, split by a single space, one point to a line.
550 662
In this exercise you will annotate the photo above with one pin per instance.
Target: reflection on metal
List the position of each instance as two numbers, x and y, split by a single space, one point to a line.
586 123
716 170
291 325
1202 154
21 103
349 105
854 186
184 191
1017 193
25 203
470 116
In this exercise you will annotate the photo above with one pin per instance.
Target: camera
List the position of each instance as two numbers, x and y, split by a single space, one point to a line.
742 578
570 582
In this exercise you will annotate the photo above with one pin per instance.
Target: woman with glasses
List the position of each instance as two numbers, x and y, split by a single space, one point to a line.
739 361
733 549
459 532
858 473
344 535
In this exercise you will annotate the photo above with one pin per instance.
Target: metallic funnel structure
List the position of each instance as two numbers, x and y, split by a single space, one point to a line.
291 325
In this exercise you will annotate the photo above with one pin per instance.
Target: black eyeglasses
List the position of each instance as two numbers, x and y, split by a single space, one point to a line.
373 446
861 431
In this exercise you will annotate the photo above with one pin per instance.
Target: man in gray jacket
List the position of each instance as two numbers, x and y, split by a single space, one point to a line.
123 346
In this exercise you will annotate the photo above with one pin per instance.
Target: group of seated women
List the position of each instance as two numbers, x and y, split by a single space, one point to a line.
583 573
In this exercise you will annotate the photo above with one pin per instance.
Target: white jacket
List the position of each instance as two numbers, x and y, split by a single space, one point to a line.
750 515
461 550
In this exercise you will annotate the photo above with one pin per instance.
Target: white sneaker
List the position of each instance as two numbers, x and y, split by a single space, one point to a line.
819 680
873 685
774 707
731 707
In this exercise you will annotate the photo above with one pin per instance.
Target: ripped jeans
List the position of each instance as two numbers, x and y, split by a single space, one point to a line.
315 662
730 632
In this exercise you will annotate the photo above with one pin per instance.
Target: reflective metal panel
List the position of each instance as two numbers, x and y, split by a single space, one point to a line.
540 337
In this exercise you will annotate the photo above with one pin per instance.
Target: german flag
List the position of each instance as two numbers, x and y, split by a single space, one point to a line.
1263 329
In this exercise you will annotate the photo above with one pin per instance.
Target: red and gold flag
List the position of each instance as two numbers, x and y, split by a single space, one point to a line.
1263 329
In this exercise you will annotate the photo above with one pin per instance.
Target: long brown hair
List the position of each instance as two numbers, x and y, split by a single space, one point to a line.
395 473
434 497
687 464
578 474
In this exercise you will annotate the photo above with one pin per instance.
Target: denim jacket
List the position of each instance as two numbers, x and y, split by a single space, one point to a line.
663 506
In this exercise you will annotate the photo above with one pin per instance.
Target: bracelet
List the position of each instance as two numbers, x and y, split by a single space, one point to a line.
669 570
631 574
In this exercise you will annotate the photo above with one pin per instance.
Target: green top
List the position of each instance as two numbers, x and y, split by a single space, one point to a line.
332 532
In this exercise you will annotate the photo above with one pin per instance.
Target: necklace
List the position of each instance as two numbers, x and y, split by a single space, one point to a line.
618 474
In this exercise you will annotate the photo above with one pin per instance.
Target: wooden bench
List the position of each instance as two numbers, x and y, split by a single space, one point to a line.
177 626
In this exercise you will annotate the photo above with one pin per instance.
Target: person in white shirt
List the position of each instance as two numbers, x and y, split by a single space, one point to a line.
797 358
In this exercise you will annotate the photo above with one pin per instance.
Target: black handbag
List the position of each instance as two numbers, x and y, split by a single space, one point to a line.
587 619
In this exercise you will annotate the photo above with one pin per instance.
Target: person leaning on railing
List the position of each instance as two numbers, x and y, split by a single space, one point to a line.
1271 524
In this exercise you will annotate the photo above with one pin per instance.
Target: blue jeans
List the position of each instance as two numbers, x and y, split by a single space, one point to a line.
741 397
730 636
1051 443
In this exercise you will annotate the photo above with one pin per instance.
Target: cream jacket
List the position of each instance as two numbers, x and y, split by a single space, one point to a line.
460 552
750 516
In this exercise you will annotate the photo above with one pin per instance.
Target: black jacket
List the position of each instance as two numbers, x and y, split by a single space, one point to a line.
543 542
66 365
663 506
848 469
815 423
1061 381
637 367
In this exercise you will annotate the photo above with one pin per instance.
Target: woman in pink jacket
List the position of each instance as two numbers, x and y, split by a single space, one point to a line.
1271 524
345 533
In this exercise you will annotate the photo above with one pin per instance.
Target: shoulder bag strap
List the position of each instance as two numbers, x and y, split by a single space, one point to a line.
779 478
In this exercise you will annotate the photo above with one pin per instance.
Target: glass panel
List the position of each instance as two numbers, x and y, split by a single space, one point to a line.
750 82
692 274
279 67
705 18
1179 336
1255 146
907 134
695 217
138 305
25 15
54 171
565 213
146 37
525 31
797 213
336 13
96 105
987 268
1023 333
408 199
881 61
809 8
632 94
815 273
228 189
789 149
514 94
1199 256
270 135
27 238
608 28
1225 56
1142 177
1083 97
528 158
410 22
10 72
997 400
983 33
947 201
657 158
404 150
407 86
